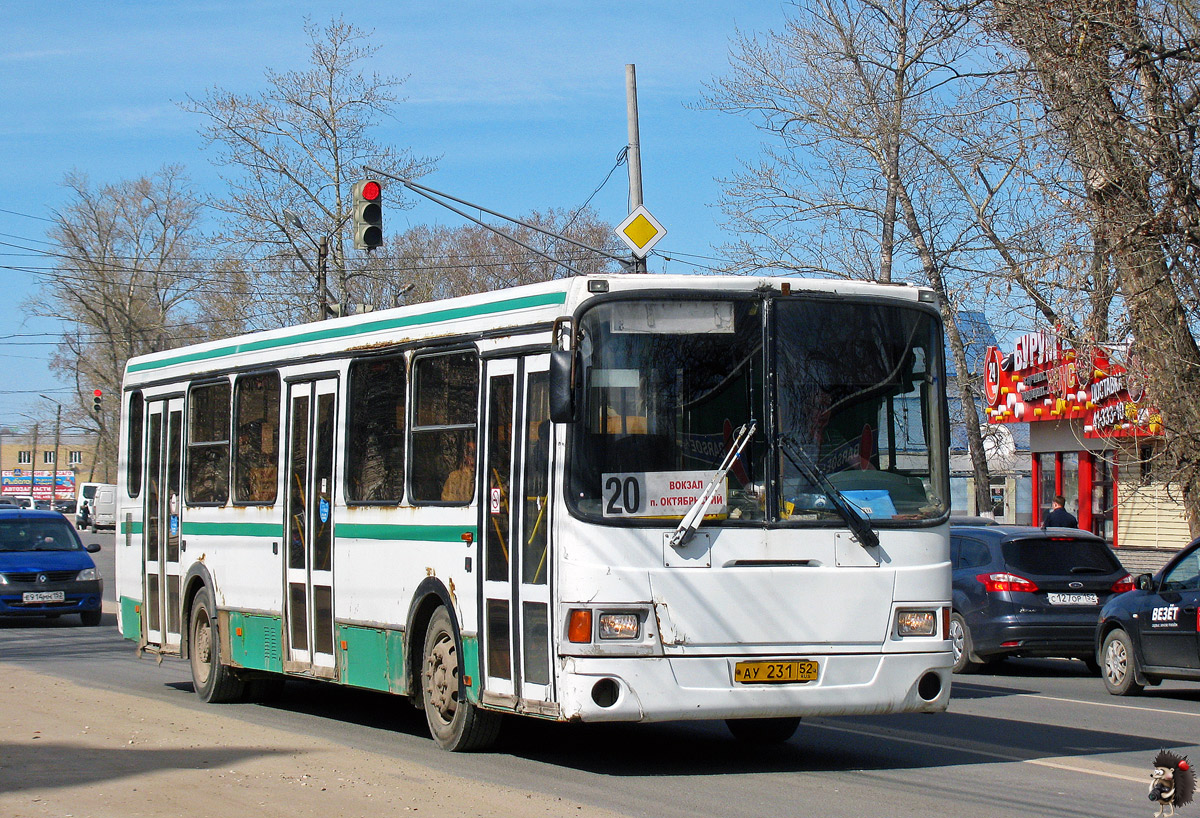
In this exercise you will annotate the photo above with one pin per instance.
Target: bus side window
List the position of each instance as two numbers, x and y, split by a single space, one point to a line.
445 414
375 431
133 474
208 444
256 457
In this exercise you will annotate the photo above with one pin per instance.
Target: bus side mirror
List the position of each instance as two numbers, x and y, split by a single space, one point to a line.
1144 582
562 389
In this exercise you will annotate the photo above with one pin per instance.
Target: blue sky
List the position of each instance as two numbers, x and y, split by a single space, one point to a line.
524 101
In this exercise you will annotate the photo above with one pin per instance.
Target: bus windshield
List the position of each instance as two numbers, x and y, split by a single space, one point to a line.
855 386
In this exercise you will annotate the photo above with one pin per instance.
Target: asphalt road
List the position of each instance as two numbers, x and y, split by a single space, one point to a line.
1034 737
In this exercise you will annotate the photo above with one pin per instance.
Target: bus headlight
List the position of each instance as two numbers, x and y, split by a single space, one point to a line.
916 623
619 626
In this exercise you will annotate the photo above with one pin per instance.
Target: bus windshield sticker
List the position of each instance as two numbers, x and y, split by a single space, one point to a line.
659 494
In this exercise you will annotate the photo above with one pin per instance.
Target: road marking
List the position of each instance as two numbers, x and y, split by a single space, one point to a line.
1057 763
1094 704
1109 704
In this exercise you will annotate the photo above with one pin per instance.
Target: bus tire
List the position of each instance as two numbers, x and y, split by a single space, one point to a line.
213 680
763 731
455 723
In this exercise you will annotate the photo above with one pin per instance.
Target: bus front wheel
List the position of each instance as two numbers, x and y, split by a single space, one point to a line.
454 722
763 731
213 680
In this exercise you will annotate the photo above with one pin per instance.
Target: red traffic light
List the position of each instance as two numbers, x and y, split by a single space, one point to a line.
99 393
371 190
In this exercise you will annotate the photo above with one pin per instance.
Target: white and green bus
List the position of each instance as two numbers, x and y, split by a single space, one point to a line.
604 498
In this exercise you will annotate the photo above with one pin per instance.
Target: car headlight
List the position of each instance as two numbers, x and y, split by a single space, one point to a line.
3 579
916 623
88 574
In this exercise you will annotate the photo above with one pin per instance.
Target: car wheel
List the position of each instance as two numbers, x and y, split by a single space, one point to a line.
1120 666
960 644
763 731
90 618
213 680
454 722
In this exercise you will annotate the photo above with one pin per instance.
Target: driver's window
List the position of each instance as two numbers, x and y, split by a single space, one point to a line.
1185 576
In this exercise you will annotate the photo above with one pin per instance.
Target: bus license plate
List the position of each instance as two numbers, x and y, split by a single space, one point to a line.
803 670
1072 599
43 596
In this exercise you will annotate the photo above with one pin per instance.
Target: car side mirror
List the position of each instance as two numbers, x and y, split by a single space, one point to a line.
1144 582
92 548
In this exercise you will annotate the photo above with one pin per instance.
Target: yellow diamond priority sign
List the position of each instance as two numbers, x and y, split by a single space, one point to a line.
640 231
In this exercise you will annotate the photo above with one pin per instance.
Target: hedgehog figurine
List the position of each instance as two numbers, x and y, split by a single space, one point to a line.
1172 783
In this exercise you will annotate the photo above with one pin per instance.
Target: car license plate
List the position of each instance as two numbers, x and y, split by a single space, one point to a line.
43 596
802 670
1072 599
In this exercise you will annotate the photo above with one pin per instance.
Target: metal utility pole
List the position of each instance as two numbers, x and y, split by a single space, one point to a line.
54 469
635 151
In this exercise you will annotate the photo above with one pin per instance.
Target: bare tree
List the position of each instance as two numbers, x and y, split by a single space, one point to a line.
124 283
1120 82
426 262
855 95
298 146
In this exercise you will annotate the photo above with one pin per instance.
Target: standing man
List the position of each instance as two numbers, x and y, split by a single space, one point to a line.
1059 517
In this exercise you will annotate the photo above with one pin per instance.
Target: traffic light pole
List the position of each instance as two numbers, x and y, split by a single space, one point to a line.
322 290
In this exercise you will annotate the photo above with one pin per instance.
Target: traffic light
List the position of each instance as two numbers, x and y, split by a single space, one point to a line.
96 396
368 214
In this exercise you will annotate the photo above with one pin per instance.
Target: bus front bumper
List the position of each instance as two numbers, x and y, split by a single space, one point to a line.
703 687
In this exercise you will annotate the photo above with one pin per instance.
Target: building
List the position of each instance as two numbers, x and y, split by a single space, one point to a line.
30 463
1005 447
1093 438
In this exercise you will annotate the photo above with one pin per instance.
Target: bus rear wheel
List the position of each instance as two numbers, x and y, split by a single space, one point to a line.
454 723
213 680
763 731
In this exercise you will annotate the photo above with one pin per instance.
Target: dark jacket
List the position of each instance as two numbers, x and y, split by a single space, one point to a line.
1061 518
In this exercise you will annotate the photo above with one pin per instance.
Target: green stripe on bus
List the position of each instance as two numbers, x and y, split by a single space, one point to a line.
234 529
422 533
435 317
131 527
131 618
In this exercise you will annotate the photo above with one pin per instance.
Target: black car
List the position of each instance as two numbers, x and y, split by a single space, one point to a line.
1153 633
1023 591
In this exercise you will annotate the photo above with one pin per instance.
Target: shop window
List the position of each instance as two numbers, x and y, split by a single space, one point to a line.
25 458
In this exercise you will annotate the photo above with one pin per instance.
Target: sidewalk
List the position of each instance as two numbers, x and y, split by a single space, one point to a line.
67 750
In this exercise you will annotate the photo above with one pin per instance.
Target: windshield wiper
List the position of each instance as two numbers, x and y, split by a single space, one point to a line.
859 525
695 515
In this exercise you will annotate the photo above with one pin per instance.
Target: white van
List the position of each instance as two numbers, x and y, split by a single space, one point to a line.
102 505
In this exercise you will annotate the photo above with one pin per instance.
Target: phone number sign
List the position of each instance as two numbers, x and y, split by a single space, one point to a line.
658 494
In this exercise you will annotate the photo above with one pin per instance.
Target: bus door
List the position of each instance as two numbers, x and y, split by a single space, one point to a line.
164 506
308 572
515 530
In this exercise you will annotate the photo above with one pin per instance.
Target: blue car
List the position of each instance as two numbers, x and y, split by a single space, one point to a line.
1153 633
1021 591
44 568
